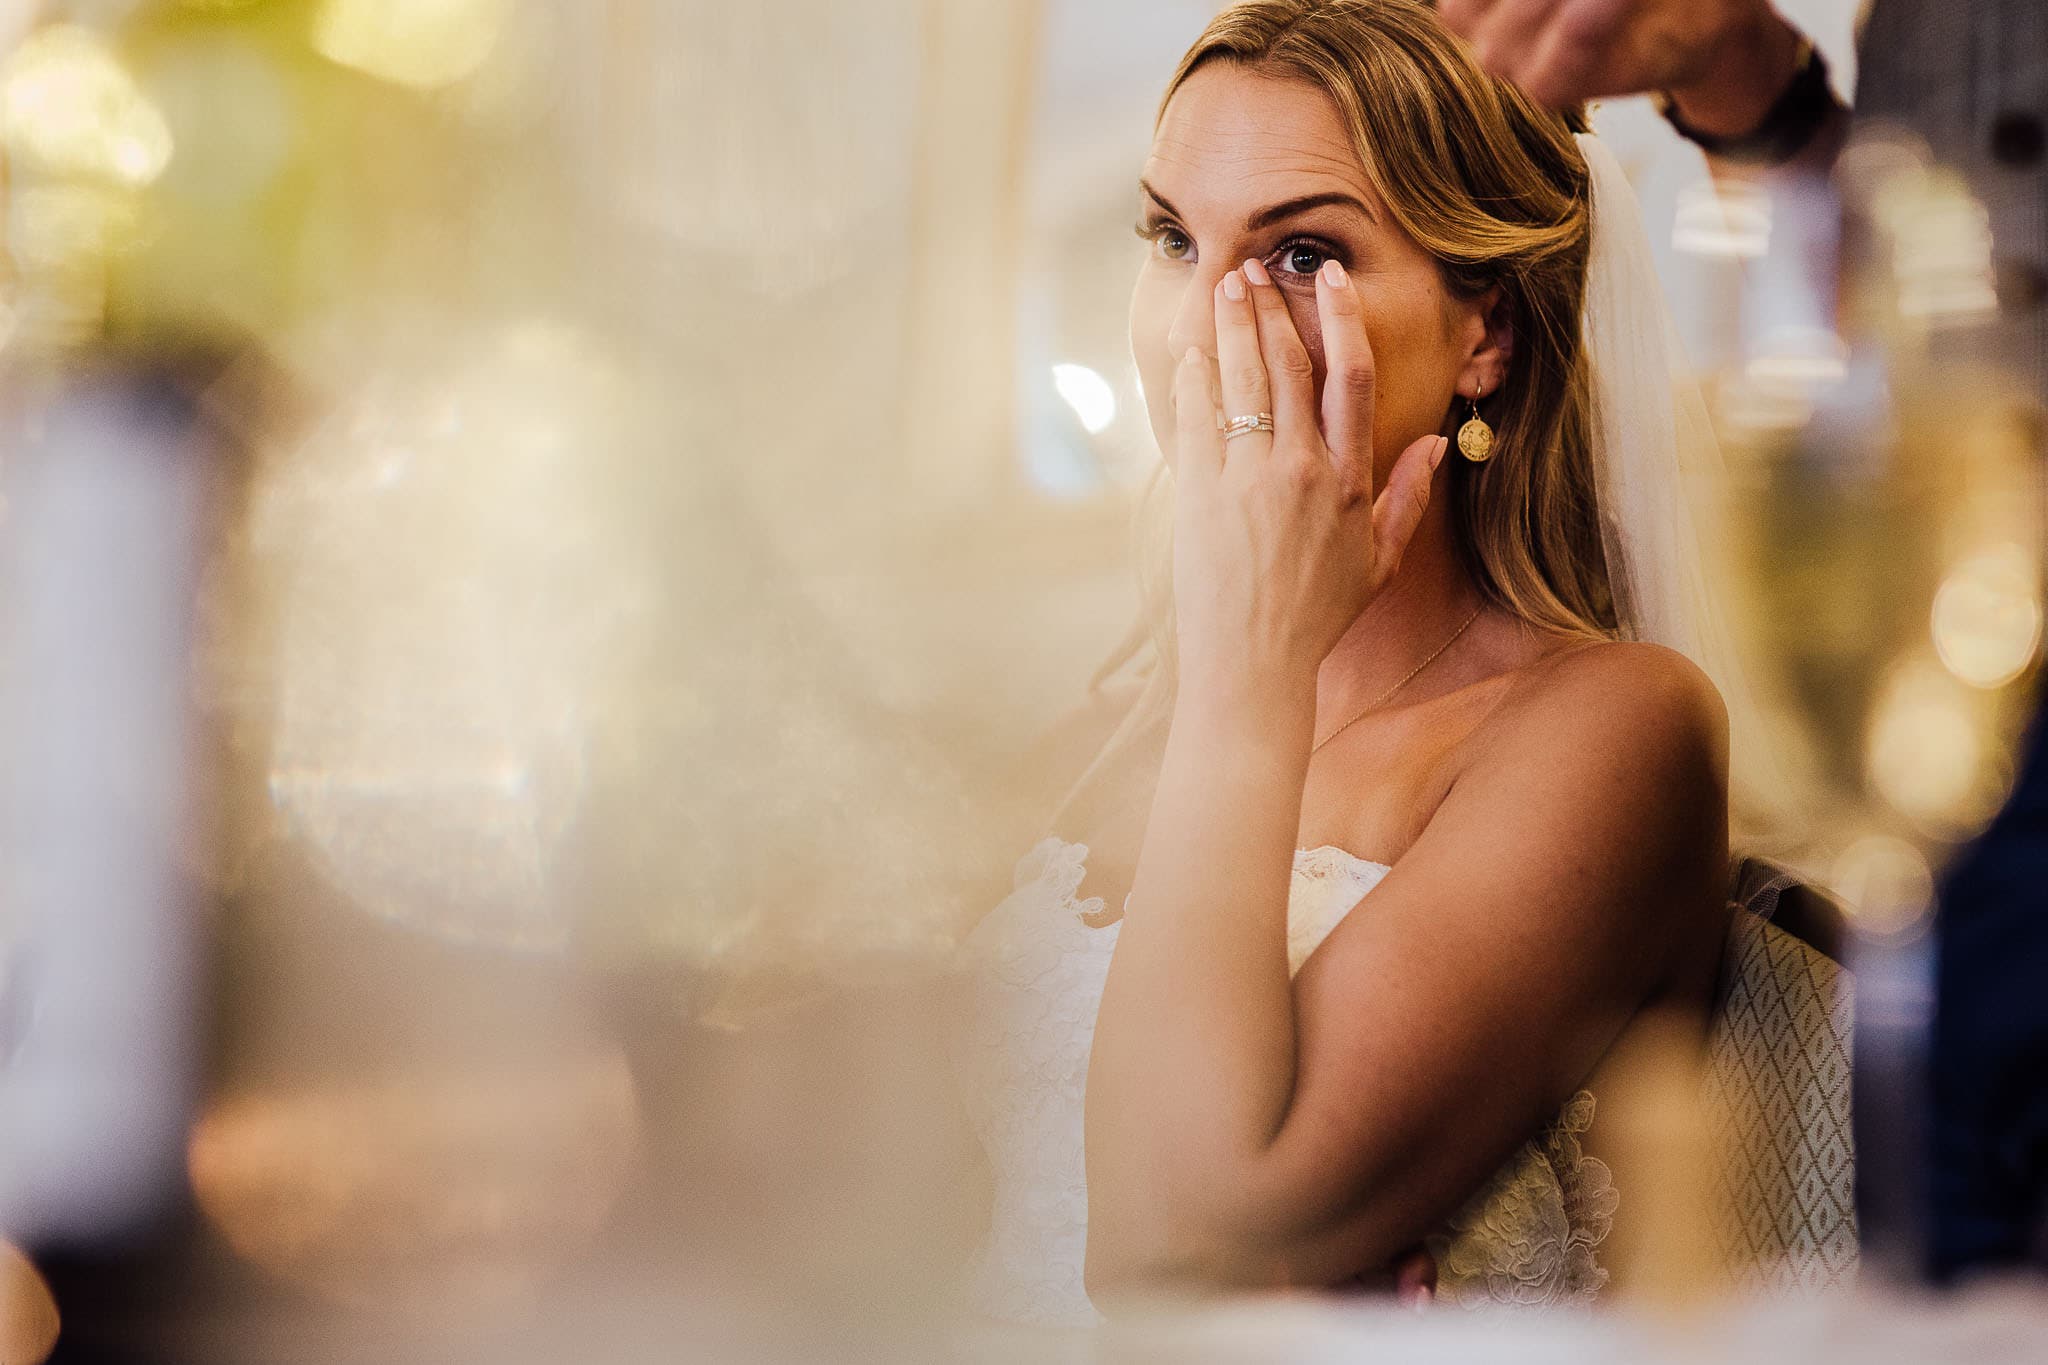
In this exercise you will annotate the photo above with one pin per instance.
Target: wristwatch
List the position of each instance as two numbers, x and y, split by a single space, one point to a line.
1791 124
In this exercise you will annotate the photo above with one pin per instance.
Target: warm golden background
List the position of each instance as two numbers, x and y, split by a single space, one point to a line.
652 470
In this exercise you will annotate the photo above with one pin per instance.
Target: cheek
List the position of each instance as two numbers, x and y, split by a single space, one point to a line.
1308 324
1410 366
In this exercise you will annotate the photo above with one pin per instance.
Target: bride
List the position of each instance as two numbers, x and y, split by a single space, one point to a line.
1411 829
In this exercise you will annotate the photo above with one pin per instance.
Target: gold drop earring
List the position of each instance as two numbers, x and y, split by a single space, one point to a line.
1475 438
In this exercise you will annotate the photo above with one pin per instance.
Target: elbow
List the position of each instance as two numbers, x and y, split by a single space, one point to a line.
1116 1267
1164 1241
1126 1262
1186 1246
1297 1235
1159 1219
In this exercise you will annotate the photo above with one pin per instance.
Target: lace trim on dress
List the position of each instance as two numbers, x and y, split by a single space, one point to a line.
1531 1236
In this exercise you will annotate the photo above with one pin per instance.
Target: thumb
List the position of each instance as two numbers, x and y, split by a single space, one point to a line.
1415 1279
1398 509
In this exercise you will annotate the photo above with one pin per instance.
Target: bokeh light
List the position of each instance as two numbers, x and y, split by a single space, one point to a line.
1727 218
1925 749
71 109
448 590
425 44
228 103
1987 616
1088 394
443 1191
1799 359
1941 245
1888 885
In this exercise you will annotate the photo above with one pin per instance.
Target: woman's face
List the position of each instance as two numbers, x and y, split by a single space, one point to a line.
1252 167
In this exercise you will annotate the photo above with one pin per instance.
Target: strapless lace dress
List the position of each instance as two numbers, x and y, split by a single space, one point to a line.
1033 973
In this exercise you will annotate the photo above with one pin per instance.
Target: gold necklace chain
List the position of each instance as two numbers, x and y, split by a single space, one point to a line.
1383 698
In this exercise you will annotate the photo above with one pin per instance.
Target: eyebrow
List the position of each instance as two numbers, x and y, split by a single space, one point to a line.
1266 217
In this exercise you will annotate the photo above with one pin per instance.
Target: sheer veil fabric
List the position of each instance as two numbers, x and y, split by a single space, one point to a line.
1661 481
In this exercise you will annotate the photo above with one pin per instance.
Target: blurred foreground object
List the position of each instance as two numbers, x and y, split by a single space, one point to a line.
1897 366
588 690
1965 81
1901 526
424 615
431 1188
105 517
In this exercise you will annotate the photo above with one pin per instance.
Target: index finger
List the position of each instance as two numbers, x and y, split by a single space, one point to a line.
1290 372
1351 386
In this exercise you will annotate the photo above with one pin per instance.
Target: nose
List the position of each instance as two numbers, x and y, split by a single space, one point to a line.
1194 321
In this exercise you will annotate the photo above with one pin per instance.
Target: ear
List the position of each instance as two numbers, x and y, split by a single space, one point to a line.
1487 331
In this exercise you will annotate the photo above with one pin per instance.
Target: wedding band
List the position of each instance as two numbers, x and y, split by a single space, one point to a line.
1244 426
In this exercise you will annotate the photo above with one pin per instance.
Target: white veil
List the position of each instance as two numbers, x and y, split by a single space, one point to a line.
1660 479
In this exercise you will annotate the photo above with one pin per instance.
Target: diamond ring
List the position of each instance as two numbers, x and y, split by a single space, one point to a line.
1243 426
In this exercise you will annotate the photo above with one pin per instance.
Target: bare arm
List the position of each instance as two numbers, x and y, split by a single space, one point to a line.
1246 1130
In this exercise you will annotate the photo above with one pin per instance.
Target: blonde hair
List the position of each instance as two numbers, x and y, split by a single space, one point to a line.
1494 187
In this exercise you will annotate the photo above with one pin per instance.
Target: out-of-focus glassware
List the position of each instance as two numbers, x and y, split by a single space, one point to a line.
1894 535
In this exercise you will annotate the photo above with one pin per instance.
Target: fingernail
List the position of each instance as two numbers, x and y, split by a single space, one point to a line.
1256 272
1334 276
1233 287
1193 356
1443 444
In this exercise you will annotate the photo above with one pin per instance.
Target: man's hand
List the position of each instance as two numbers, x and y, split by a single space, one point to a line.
1724 63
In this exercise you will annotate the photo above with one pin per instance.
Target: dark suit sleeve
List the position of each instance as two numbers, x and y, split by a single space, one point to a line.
1970 78
1988 1140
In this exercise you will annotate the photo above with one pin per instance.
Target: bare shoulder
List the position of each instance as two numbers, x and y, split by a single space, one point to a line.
1596 793
1641 717
1620 688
